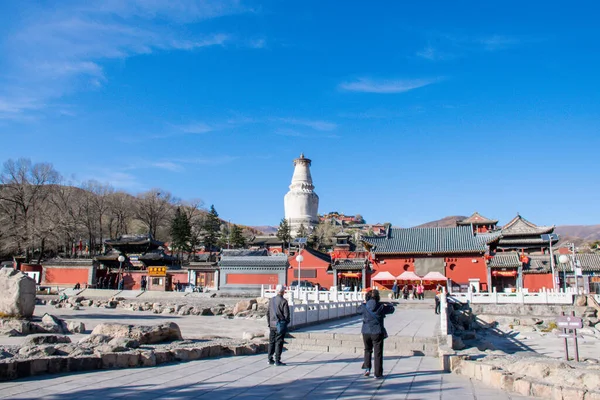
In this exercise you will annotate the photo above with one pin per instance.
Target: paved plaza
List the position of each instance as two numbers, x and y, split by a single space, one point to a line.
412 318
307 375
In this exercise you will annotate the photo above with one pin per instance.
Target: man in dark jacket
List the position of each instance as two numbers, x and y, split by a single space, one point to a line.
278 316
373 312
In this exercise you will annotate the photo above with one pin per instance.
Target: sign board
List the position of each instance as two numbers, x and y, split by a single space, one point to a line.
157 271
565 335
569 322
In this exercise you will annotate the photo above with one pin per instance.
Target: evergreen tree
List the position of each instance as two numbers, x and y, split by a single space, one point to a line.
212 225
181 231
283 232
302 231
237 238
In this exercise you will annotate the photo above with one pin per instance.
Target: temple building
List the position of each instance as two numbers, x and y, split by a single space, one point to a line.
522 235
301 202
245 271
479 223
455 253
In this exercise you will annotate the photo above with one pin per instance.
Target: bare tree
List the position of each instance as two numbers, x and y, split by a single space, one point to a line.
100 203
25 190
120 212
153 209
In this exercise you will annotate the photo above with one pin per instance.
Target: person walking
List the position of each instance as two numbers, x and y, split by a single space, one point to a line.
420 291
395 290
278 317
438 291
405 292
373 331
143 283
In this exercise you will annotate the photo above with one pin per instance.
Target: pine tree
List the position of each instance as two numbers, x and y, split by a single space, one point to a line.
283 232
237 238
212 225
181 231
302 231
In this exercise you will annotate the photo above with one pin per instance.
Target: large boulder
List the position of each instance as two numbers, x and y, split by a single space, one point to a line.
35 340
18 293
143 334
243 305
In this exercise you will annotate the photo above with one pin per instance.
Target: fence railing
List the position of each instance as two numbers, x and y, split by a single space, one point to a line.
308 306
308 296
544 296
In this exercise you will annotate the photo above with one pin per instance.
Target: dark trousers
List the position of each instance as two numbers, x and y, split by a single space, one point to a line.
373 344
437 305
275 344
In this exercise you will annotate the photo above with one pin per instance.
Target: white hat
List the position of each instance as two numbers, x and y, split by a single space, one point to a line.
278 288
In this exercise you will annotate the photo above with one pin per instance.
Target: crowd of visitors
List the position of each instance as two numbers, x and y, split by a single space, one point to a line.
415 291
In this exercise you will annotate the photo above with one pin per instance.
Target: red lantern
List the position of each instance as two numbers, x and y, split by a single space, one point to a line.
359 275
339 274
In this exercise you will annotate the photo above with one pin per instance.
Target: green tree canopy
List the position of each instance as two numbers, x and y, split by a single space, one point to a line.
212 226
237 238
181 231
302 231
283 232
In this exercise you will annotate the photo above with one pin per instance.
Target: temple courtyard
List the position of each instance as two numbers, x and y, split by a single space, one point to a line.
311 375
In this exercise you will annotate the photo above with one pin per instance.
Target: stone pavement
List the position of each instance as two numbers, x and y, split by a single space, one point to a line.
412 318
307 375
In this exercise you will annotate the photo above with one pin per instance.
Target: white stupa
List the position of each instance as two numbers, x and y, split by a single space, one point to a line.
301 202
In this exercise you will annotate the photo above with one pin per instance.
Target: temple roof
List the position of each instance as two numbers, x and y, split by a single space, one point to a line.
538 264
350 263
588 262
519 226
477 219
428 241
507 260
134 240
243 253
265 241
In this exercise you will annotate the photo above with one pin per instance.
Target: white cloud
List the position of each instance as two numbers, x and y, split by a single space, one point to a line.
169 166
316 124
385 86
60 48
196 127
433 54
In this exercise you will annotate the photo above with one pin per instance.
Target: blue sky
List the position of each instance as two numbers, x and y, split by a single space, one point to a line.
410 111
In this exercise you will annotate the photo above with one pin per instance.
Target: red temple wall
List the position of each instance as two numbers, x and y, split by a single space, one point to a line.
535 282
253 279
463 267
310 262
66 276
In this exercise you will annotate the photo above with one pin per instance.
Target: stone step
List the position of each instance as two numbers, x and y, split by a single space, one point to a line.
353 344
358 337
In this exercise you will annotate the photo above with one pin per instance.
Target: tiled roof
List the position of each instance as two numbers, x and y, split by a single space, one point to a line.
477 219
243 253
350 263
538 264
253 261
519 226
427 241
490 237
588 262
515 241
265 241
508 260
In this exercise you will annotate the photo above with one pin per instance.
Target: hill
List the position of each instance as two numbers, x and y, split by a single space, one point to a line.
265 229
445 222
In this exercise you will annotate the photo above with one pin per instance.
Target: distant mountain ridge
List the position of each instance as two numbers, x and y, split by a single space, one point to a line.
578 234
266 229
445 222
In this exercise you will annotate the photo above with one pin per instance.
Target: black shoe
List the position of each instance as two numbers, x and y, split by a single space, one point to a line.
279 364
271 362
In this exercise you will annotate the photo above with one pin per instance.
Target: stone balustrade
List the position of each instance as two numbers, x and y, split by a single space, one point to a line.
544 296
309 307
